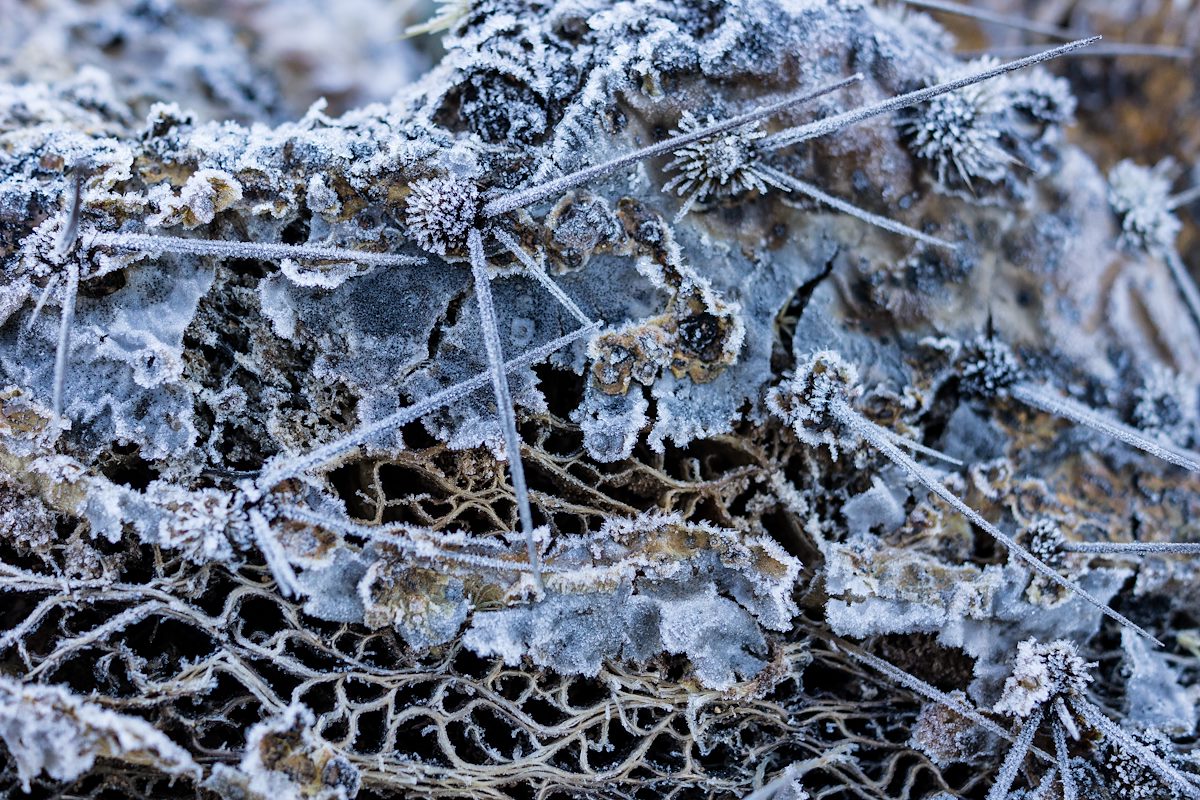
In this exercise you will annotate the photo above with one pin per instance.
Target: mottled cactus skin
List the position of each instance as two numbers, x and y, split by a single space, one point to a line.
737 592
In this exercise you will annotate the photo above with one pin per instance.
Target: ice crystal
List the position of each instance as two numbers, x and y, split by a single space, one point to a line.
808 399
1042 672
1045 540
723 164
962 132
440 211
1141 199
1130 776
988 368
1166 404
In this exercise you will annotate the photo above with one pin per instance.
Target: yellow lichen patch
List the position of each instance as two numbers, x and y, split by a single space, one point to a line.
697 336
307 544
19 418
861 572
636 352
205 194
153 170
394 591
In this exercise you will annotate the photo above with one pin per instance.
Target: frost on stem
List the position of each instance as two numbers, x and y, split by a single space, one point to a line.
440 212
1131 778
790 183
984 15
504 404
446 17
1043 399
1177 782
889 445
1043 677
1015 757
816 402
807 400
988 369
829 125
511 201
282 468
1141 198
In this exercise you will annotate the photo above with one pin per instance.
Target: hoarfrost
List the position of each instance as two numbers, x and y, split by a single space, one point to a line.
1140 196
49 729
286 760
1041 672
1154 696
622 598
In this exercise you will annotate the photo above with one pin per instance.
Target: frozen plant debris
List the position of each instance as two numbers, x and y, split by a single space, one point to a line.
630 594
962 132
586 413
1141 198
48 729
1041 673
440 211
809 399
285 759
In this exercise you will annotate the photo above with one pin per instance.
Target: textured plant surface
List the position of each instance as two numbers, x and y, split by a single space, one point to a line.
384 449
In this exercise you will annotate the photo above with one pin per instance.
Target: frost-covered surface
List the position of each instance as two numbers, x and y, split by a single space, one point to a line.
631 593
47 729
285 760
188 593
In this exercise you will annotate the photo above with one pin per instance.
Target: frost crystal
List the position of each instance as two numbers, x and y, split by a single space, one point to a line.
806 401
987 368
1043 96
1141 198
1130 776
725 164
1044 539
440 212
1041 673
1166 404
963 130
46 728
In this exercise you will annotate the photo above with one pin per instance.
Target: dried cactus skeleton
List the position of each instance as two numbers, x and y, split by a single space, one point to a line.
660 598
